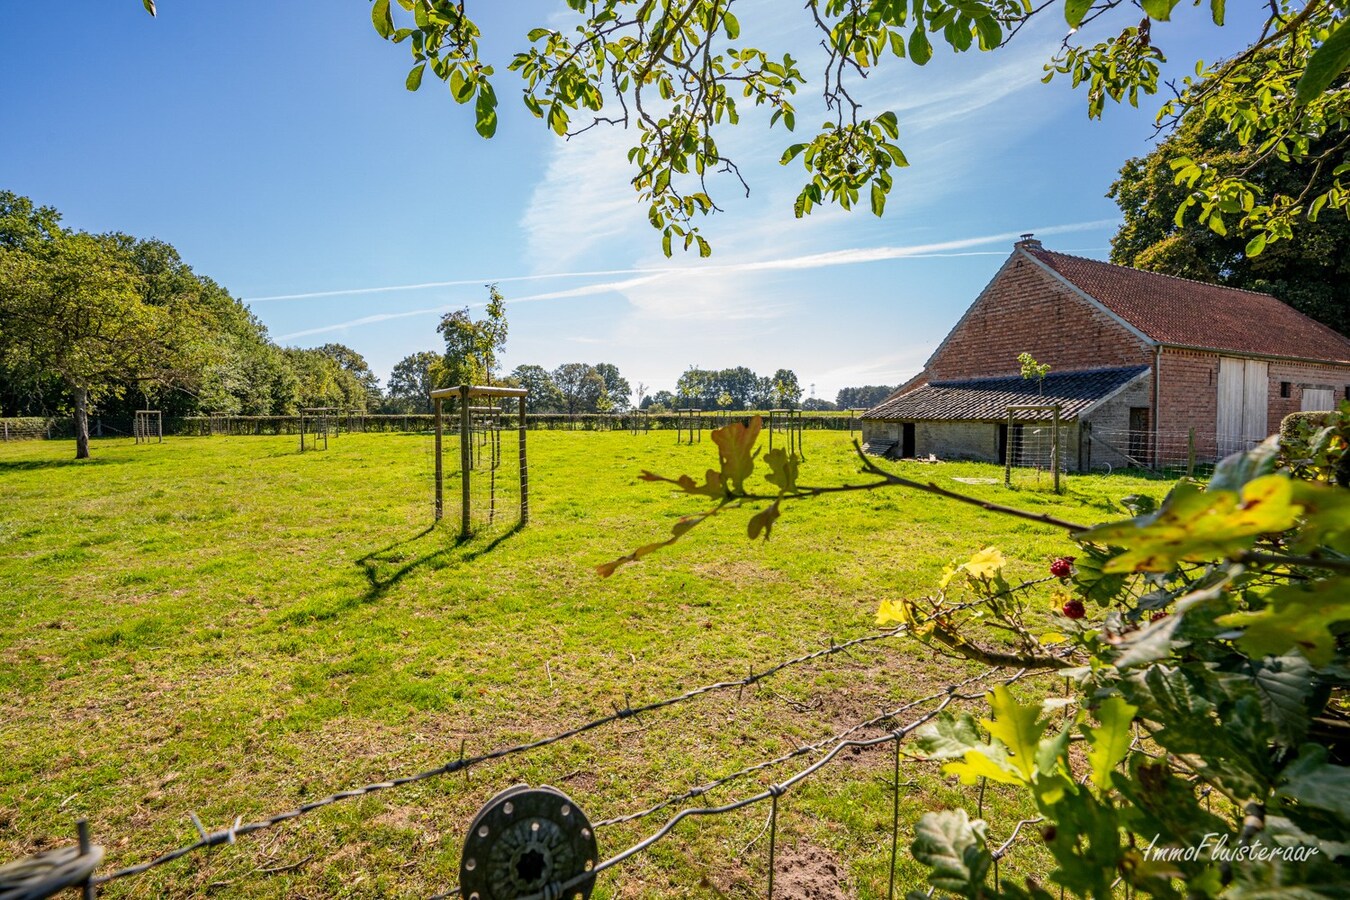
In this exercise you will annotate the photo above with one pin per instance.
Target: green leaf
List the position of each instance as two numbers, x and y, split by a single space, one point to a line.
1312 781
1283 685
1109 742
920 50
1216 11
1326 64
1256 245
1195 525
1018 727
1074 10
736 451
1151 644
415 76
1158 9
949 737
1295 616
461 88
381 17
486 110
782 470
954 848
149 6
878 199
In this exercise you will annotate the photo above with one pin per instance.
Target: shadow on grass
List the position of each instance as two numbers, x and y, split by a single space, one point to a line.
376 564
26 465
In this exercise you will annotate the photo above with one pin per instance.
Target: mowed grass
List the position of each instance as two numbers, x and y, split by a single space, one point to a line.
228 627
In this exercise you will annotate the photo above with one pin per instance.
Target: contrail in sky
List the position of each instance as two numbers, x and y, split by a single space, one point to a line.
812 261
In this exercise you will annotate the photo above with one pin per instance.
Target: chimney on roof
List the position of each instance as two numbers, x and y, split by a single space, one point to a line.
1029 242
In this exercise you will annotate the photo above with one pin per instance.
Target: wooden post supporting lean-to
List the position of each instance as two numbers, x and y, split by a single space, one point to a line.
524 470
440 503
465 461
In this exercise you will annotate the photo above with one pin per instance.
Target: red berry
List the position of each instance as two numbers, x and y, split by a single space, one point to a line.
1074 609
1156 616
1062 567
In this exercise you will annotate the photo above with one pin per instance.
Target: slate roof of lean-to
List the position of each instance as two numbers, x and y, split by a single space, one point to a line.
988 399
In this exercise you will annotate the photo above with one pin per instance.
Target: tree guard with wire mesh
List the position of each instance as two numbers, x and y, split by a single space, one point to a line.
481 456
316 423
148 426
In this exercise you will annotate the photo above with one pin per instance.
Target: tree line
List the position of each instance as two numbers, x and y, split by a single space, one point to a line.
104 324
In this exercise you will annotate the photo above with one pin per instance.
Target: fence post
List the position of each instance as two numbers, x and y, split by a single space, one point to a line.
524 470
439 505
1054 450
465 461
1190 453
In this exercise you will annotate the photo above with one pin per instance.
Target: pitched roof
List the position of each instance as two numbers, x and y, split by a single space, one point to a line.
1174 310
988 399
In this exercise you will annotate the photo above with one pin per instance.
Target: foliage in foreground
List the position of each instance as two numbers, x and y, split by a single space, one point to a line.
1206 636
681 72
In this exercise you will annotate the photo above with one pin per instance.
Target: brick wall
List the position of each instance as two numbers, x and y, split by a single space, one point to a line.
1025 309
1299 376
1188 398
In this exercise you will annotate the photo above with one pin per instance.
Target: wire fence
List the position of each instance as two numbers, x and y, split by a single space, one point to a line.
50 873
634 422
1189 449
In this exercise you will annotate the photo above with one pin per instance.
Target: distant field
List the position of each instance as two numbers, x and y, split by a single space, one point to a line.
228 627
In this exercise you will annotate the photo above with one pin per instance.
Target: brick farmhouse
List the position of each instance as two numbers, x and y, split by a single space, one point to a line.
1145 369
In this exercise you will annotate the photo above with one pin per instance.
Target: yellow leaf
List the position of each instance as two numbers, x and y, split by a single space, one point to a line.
986 563
976 765
892 612
1052 637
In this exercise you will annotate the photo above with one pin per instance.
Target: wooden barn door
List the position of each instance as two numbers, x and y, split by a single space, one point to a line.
1244 385
1318 399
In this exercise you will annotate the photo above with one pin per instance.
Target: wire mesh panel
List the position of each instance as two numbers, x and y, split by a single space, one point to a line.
1032 451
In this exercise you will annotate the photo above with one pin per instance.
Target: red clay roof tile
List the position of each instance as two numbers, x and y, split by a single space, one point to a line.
1174 310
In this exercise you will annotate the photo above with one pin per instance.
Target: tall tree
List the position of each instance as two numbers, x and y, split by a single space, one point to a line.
72 307
867 396
356 365
1310 270
472 346
617 388
411 382
581 386
786 389
544 396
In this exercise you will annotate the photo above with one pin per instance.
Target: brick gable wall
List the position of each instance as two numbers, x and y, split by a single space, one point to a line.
1026 309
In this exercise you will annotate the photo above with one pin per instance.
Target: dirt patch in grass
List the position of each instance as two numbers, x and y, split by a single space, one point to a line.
811 873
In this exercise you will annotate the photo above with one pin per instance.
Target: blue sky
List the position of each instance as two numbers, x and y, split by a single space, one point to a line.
276 148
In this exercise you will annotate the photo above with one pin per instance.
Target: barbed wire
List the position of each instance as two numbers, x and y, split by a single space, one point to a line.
771 794
802 750
240 828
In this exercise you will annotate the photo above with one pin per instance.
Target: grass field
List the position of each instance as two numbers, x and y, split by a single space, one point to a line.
228 627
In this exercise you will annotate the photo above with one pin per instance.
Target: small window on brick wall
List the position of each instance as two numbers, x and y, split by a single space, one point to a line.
1284 389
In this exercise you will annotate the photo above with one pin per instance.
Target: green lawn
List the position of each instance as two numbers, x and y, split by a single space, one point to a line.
229 627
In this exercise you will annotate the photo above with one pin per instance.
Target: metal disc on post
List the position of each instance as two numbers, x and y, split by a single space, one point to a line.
527 841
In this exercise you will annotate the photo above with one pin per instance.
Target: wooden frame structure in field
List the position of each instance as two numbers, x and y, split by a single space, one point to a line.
316 422
688 425
148 425
464 394
788 421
